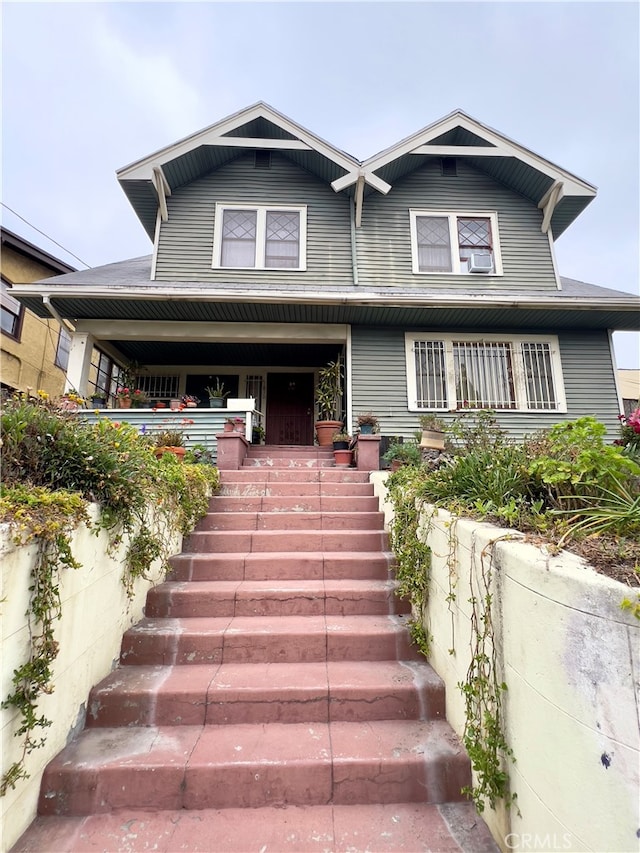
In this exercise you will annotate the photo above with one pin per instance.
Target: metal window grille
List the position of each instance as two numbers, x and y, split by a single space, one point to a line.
431 382
253 388
538 376
483 375
159 387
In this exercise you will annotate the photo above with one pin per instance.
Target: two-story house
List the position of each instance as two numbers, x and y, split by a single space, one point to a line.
429 268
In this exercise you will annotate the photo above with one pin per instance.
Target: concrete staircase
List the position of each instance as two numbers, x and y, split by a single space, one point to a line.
270 700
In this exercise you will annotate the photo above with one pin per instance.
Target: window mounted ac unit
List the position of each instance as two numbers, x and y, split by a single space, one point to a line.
480 262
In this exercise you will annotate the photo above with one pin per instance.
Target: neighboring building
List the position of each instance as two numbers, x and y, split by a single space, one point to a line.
430 267
629 385
35 349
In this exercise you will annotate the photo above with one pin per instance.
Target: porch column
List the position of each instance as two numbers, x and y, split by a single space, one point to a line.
79 362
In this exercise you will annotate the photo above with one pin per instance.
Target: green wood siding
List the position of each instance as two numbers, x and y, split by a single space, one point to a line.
186 240
384 240
379 382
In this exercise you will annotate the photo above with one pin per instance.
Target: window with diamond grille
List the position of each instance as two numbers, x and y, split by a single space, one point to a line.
282 239
494 372
443 241
260 237
239 238
434 244
474 236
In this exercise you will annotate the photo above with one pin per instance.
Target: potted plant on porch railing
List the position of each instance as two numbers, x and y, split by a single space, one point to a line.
216 394
328 401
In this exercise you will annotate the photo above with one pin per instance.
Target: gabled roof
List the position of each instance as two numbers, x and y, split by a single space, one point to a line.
30 250
559 193
148 181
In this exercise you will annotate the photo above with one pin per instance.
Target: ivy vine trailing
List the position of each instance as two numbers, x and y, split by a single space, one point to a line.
482 689
482 692
52 465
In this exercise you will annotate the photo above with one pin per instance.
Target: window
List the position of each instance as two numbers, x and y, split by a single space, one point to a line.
444 242
12 312
492 372
63 348
251 237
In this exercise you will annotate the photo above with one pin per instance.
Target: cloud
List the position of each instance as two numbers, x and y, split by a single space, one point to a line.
148 79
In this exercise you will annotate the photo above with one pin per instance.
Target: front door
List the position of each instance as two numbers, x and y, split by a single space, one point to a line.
289 408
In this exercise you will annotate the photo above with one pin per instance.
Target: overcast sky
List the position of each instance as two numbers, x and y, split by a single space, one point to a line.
91 87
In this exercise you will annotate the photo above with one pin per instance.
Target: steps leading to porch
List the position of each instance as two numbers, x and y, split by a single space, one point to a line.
270 700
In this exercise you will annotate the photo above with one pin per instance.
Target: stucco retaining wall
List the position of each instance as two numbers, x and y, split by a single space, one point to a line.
95 614
571 660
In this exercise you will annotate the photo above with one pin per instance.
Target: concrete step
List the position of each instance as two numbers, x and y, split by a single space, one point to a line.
266 693
299 540
282 565
289 450
296 488
383 828
288 521
286 462
274 598
262 639
252 766
293 503
261 474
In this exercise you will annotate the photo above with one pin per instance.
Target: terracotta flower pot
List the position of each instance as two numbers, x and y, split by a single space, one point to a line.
325 431
177 451
343 458
124 402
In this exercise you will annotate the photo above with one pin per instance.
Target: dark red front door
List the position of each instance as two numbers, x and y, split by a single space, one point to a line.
289 408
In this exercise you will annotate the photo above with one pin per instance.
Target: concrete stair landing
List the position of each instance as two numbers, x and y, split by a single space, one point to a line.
270 700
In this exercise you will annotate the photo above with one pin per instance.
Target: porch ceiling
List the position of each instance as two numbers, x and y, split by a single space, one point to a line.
239 355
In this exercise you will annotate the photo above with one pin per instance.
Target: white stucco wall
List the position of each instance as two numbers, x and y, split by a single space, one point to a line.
571 661
95 614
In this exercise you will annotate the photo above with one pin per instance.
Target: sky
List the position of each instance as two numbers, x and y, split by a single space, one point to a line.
90 87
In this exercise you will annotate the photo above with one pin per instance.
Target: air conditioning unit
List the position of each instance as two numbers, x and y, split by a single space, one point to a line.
480 262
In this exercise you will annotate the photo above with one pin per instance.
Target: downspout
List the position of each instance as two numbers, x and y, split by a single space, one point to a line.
354 257
47 301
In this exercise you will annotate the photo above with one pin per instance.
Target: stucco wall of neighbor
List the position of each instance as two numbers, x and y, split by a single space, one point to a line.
571 660
30 362
95 614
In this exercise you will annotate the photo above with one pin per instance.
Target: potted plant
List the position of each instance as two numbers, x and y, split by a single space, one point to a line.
123 396
228 425
341 440
71 400
328 397
257 434
400 454
368 423
190 401
343 458
216 394
139 398
98 399
169 441
432 432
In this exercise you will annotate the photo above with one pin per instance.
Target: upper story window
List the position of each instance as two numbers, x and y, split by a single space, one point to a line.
12 312
455 242
260 237
490 372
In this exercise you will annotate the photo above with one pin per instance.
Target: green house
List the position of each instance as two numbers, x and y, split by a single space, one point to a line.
429 268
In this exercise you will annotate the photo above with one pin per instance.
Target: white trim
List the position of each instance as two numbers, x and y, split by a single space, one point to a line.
261 211
612 352
575 186
452 217
141 169
462 151
156 245
253 142
348 380
549 202
167 330
369 178
162 188
554 262
518 368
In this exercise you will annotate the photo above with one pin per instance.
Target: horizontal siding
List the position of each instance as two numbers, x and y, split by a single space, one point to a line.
186 239
384 240
379 382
